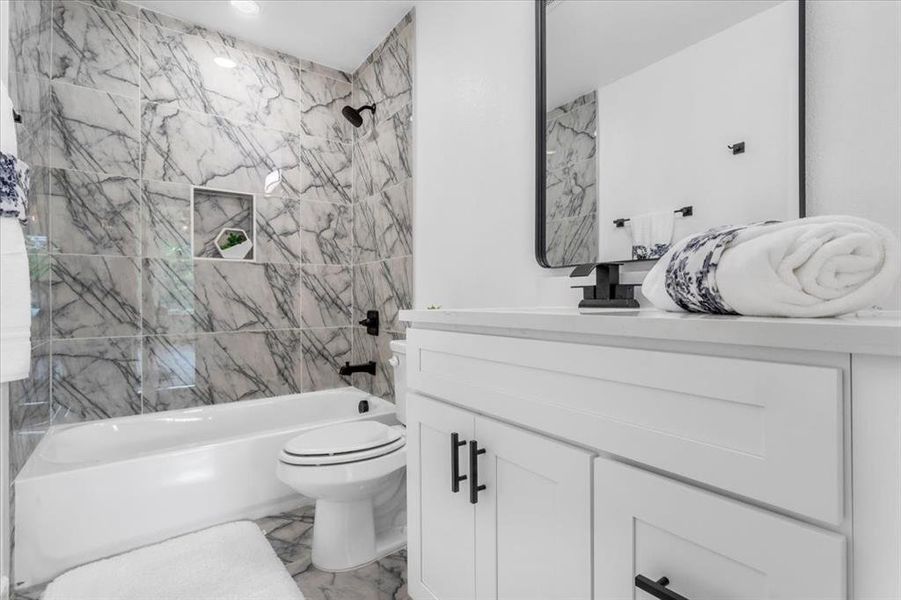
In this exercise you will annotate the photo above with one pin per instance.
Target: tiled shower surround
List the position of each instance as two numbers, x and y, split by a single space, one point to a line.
571 198
124 111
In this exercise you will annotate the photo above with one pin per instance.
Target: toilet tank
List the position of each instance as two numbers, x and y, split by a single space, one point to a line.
399 362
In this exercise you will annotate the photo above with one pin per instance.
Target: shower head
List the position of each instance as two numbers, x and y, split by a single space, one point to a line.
353 114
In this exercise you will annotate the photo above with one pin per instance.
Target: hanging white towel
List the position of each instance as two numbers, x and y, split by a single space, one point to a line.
15 283
814 267
652 234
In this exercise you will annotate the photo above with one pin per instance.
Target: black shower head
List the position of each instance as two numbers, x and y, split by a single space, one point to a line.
353 114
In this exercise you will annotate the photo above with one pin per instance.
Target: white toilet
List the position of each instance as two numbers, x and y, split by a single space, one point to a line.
356 472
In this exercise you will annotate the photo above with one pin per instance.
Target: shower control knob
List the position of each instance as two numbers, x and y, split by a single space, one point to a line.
394 361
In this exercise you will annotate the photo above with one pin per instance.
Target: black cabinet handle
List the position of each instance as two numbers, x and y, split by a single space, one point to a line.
456 478
474 487
657 588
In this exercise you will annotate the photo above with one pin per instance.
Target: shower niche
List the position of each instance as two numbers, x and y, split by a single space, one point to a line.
224 225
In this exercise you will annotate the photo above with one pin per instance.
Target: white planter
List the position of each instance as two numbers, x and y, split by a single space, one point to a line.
238 252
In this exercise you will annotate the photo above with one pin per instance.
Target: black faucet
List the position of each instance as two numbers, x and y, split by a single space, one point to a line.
349 369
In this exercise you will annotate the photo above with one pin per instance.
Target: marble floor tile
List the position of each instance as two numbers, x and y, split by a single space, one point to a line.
166 220
326 235
326 170
95 48
326 295
182 146
291 536
95 379
383 224
324 352
180 69
94 131
94 296
94 214
183 371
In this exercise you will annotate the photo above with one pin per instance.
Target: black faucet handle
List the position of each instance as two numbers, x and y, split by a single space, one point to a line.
371 322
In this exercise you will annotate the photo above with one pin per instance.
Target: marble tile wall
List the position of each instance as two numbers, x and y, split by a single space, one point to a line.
383 200
571 192
124 112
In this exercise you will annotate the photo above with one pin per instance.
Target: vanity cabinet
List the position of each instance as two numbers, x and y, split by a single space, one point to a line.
495 511
706 546
632 456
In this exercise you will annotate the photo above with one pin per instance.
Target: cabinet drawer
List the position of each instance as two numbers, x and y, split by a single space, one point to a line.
707 546
765 430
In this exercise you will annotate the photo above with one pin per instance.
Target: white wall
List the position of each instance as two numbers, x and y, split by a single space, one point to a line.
474 145
475 127
663 132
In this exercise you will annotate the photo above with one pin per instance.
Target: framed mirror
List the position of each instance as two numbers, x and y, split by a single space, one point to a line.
687 108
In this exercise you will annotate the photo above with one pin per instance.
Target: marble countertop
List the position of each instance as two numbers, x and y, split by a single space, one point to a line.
871 333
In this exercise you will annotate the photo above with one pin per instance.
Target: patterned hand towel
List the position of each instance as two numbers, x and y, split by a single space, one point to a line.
814 267
652 234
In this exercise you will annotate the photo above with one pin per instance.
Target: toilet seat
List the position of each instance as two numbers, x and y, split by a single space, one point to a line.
343 443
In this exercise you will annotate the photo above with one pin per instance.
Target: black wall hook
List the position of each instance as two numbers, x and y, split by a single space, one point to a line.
17 118
737 148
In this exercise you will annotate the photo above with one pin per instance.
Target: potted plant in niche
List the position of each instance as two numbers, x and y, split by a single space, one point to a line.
233 243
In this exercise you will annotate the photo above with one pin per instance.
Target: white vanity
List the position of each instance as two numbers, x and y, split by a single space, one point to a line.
554 455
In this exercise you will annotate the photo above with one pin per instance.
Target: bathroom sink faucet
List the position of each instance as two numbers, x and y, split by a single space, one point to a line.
349 369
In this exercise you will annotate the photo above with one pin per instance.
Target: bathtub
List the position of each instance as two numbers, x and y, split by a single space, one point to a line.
96 489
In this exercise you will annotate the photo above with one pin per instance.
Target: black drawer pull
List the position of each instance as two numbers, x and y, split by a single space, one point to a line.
657 588
474 487
456 478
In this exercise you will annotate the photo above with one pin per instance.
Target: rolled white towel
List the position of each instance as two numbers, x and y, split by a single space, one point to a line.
813 267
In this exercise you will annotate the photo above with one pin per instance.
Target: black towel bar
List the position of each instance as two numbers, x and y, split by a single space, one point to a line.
685 211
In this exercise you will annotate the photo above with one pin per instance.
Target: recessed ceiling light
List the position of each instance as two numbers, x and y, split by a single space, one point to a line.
225 63
246 7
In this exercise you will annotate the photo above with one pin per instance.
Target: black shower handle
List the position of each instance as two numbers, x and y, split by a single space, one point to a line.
657 588
456 478
474 487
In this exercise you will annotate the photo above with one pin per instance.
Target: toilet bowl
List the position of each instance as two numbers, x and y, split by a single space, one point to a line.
356 472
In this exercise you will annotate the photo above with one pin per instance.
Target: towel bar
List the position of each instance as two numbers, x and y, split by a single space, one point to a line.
685 211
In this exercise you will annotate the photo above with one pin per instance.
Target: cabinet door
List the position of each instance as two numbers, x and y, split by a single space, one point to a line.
707 546
533 519
441 536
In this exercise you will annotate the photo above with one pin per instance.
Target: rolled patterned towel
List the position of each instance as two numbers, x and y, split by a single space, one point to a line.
813 267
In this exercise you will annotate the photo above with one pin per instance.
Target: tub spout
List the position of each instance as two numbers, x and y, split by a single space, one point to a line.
349 369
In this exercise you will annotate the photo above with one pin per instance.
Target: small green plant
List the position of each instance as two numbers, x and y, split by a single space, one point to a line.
233 239
433 307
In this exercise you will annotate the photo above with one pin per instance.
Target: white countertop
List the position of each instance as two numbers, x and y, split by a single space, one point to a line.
871 333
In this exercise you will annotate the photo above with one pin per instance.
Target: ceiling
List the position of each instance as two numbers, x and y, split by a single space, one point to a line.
591 44
335 33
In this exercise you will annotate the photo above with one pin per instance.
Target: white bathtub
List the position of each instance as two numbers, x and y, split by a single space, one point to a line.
96 489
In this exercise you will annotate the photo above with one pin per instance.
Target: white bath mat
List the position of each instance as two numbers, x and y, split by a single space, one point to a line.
228 562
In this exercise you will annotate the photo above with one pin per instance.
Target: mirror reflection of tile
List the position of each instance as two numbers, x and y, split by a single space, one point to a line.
215 211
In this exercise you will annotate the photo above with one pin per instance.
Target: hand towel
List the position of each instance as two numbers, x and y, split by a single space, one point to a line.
15 283
813 267
652 234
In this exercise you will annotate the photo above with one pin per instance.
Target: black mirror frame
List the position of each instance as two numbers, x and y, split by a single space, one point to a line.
541 123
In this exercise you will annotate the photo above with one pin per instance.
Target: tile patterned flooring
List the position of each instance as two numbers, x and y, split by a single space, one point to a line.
291 536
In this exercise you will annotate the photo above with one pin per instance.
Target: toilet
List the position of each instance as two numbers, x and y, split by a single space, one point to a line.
356 472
